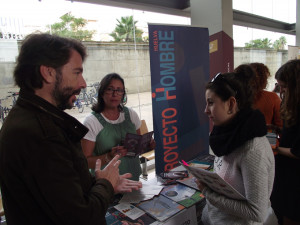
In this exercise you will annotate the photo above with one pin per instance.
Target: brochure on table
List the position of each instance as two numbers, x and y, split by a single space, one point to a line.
147 192
117 217
187 216
182 194
160 207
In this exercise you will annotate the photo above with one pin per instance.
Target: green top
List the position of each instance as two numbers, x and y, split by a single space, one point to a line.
110 136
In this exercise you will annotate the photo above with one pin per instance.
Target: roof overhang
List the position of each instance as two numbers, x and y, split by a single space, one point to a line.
182 8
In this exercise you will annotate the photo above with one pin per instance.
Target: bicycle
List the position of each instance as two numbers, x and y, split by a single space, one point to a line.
14 96
83 96
88 97
93 95
96 85
3 111
93 92
79 105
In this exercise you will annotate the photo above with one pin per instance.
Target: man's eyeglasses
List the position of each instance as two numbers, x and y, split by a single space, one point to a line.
118 91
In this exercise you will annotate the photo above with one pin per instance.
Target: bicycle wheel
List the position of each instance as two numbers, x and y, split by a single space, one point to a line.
86 99
1 114
80 107
5 112
94 100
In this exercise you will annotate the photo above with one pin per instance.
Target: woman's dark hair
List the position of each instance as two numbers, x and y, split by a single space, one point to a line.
289 74
230 85
100 105
246 75
43 49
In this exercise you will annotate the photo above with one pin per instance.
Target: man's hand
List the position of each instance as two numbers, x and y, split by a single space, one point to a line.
126 185
119 182
110 172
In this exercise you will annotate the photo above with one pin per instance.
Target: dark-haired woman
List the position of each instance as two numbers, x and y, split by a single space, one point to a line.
108 124
244 157
286 192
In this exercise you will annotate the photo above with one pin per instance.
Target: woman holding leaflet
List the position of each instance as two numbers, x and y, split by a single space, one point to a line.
244 157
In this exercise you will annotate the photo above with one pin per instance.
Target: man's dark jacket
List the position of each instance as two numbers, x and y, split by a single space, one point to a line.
44 175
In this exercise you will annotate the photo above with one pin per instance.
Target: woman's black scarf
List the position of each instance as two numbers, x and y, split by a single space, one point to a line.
246 125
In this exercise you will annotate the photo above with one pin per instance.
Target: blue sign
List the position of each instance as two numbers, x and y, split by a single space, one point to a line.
179 62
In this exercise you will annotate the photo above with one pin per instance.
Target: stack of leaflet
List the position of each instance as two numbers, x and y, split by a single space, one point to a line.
148 191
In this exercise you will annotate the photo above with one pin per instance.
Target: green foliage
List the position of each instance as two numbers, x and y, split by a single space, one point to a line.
71 27
259 43
146 39
280 43
267 44
126 30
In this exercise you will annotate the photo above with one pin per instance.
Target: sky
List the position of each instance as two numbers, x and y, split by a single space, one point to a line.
275 9
29 15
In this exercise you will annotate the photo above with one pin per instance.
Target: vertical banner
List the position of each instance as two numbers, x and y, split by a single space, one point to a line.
179 63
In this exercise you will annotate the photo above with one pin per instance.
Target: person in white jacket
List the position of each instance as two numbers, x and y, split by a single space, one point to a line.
244 157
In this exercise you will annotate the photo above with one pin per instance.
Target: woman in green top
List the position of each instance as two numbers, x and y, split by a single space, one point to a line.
108 124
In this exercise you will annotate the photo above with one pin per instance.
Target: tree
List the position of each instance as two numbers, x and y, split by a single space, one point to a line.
72 27
126 30
280 43
259 43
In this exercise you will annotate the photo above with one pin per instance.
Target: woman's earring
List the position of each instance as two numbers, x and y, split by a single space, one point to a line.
229 112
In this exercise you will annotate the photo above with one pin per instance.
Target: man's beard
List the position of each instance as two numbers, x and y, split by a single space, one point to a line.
62 95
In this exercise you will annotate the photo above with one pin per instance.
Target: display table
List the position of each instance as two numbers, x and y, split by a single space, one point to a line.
157 210
162 202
